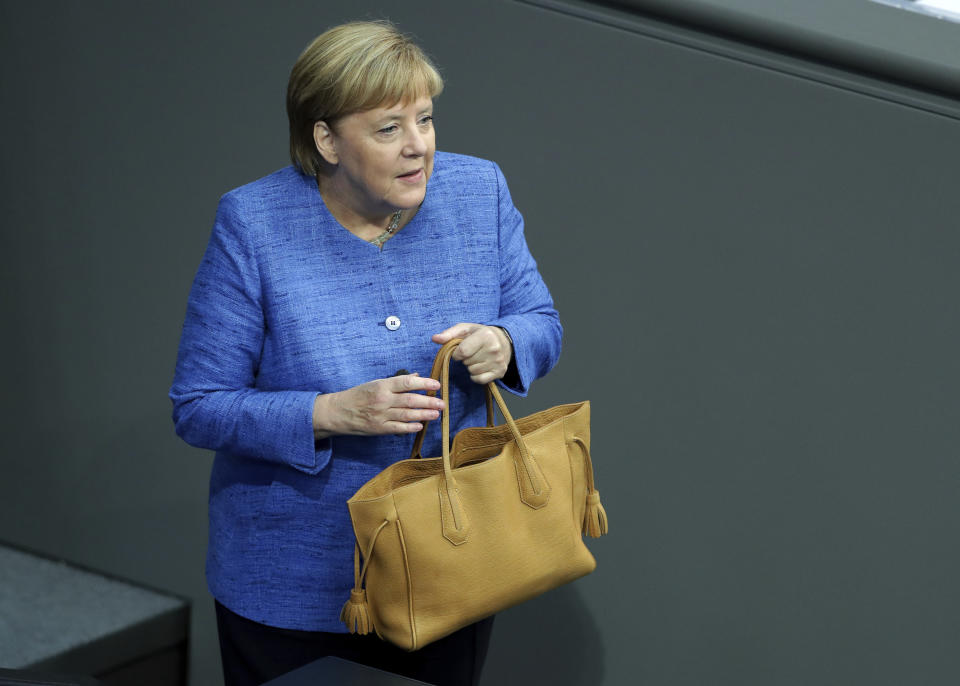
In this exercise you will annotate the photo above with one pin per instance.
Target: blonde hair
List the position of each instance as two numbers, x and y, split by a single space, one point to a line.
351 68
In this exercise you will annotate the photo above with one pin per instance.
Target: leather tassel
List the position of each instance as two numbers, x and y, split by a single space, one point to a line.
595 518
356 613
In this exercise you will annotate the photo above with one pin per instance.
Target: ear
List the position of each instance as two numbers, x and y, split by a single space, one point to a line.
324 140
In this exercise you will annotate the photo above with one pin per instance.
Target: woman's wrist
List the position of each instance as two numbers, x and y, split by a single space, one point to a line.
322 417
506 334
511 377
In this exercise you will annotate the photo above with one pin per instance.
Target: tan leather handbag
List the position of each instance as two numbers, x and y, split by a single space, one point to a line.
495 521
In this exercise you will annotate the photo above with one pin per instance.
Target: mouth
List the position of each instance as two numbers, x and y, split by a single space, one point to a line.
412 176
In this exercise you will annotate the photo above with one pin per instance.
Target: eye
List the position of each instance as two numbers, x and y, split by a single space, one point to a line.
426 120
387 130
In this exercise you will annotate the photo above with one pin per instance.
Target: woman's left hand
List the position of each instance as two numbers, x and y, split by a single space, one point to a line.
485 350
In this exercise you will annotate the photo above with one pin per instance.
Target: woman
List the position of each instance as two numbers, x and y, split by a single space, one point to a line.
315 315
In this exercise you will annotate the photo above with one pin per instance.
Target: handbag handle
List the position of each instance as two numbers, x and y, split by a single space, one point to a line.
533 486
435 374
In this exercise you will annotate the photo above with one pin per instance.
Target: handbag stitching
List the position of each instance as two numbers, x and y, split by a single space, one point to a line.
461 531
526 469
406 569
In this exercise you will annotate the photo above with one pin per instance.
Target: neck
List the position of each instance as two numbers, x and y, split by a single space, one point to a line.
350 215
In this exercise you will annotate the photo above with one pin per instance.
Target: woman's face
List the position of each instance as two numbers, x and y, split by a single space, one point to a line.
383 156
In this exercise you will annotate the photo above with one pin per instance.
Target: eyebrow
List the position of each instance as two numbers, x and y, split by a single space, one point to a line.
395 117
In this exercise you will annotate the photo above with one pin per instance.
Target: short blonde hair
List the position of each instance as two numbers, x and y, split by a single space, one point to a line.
351 68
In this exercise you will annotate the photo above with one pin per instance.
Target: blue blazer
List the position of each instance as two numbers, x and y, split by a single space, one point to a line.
287 304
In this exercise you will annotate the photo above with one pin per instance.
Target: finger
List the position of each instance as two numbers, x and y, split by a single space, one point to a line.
487 369
483 346
460 330
417 401
412 382
407 416
402 427
470 349
480 366
485 377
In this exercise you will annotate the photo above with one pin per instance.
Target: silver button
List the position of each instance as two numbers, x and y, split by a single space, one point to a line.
393 323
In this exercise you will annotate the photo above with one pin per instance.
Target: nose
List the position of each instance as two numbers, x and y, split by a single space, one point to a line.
416 143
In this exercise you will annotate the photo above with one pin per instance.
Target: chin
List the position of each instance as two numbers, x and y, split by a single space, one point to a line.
410 200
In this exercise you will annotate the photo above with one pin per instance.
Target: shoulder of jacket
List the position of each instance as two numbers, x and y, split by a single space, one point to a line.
279 184
255 208
455 162
464 170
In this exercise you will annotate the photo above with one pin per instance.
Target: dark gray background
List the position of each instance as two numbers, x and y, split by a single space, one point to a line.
756 273
873 36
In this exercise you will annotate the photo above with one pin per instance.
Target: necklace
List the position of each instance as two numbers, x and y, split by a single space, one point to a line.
394 223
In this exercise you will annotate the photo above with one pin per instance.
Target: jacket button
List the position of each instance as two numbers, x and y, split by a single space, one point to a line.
393 323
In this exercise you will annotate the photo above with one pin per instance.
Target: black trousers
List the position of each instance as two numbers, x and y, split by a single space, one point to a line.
253 653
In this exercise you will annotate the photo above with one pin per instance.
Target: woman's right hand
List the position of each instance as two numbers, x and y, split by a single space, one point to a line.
382 406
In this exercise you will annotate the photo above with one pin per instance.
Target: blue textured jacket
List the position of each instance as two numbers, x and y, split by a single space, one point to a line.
287 304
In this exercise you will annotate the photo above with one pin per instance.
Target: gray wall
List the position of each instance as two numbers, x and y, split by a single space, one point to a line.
756 272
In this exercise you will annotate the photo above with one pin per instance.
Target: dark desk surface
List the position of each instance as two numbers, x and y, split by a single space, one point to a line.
333 670
60 617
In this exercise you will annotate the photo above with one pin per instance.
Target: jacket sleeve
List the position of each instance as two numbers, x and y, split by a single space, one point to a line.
216 402
526 307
